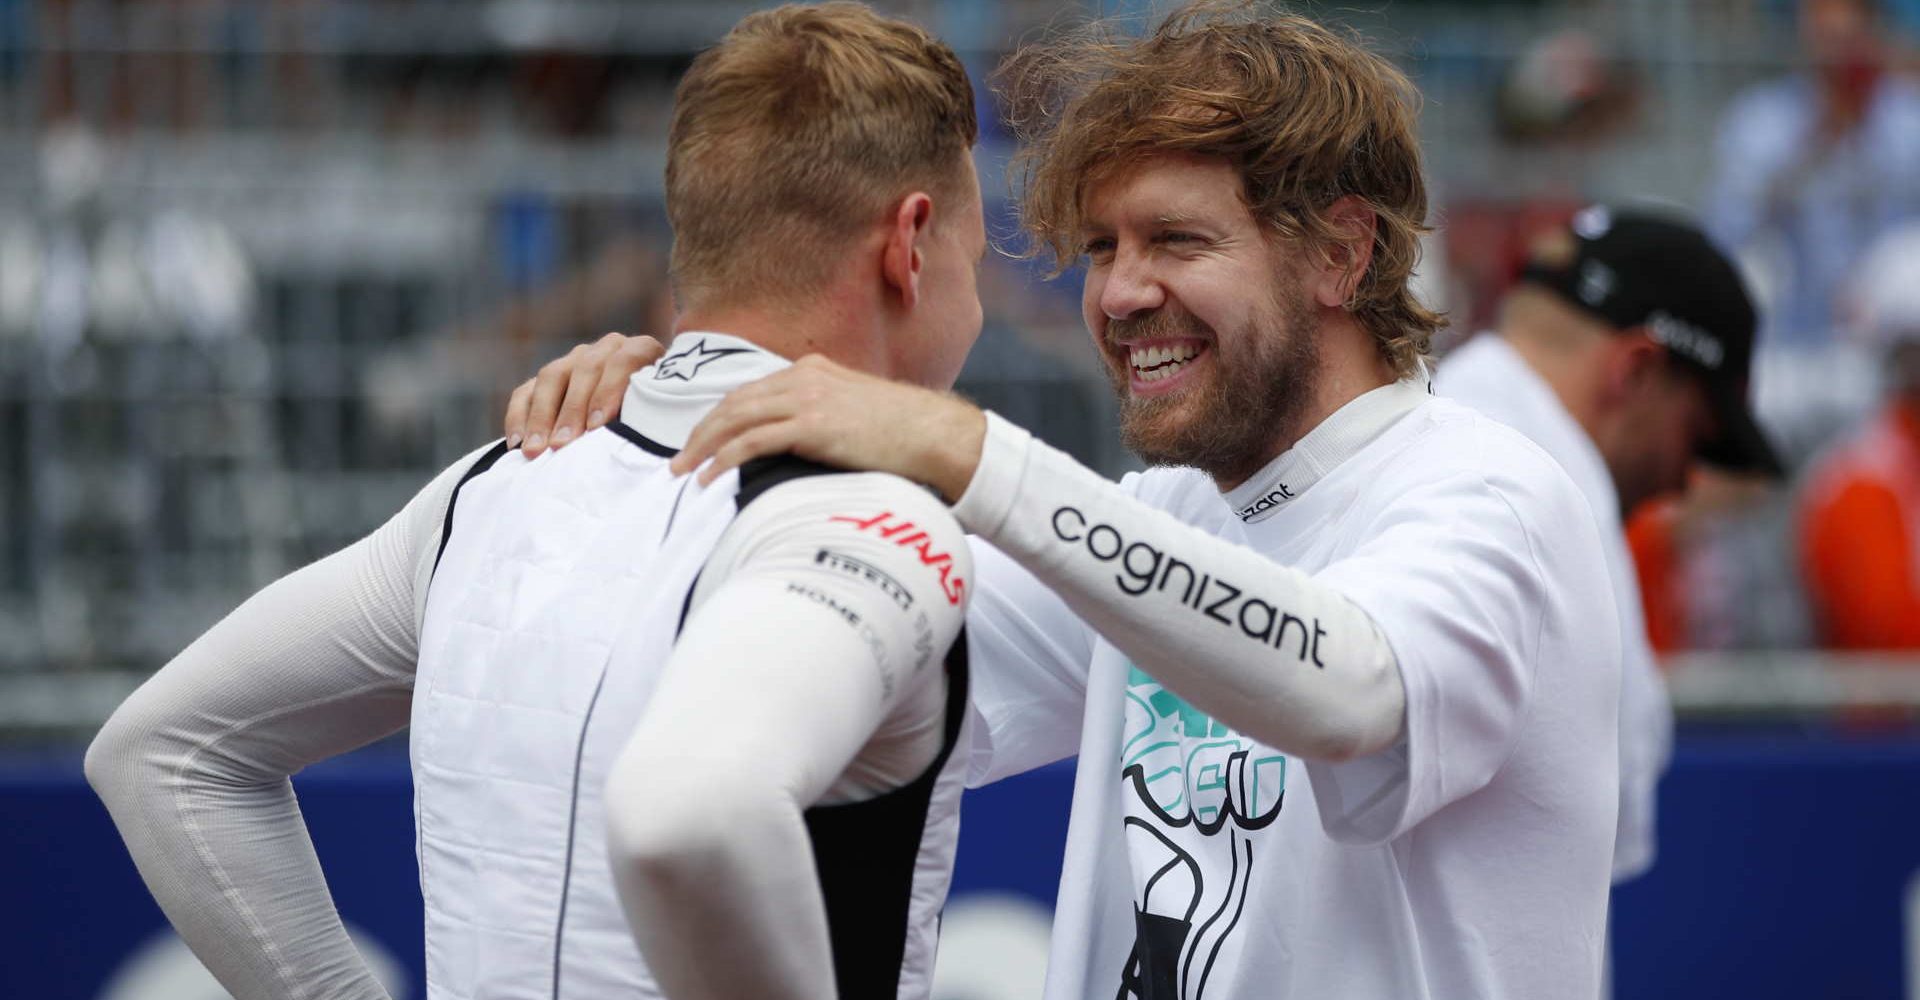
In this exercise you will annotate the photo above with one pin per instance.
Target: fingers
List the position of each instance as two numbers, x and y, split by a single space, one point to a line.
632 354
764 439
567 423
744 408
549 388
517 404
599 362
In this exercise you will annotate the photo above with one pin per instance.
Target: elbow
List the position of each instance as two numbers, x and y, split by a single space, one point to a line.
666 825
1371 721
1354 738
110 757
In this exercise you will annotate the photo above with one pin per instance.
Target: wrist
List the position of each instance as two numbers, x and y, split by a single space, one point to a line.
960 436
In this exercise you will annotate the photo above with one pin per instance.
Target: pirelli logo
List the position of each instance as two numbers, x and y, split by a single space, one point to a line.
873 575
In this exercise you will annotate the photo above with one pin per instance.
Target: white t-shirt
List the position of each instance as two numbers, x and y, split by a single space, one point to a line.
1470 859
1488 375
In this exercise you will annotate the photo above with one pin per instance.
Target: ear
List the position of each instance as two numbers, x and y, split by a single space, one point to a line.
1632 364
1348 258
901 260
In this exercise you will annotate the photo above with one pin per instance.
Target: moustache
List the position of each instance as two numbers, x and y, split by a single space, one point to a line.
1162 323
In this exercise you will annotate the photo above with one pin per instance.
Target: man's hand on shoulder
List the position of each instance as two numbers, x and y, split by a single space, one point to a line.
837 416
576 393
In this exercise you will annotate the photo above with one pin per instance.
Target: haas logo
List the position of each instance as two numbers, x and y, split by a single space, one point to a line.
908 535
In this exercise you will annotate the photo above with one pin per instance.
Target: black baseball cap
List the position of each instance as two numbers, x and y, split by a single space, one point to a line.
1637 269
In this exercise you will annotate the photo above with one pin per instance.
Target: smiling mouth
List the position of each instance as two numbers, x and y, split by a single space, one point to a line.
1153 362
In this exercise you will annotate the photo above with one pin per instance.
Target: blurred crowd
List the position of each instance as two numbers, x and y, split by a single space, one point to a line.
263 265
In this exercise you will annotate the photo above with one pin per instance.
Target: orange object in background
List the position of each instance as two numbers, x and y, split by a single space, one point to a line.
1859 525
1652 538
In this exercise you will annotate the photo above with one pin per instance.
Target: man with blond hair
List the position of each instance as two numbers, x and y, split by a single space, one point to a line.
669 740
1342 669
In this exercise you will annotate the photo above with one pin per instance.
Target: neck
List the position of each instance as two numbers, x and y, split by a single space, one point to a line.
828 326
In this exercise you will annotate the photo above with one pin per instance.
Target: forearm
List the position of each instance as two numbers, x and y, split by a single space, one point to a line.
719 887
1263 648
194 771
707 842
194 767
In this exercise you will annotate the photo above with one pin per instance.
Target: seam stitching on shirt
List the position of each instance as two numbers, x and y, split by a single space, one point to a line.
183 790
573 816
1532 655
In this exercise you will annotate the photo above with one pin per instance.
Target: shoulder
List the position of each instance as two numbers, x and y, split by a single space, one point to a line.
787 483
1446 439
1457 465
792 505
1481 374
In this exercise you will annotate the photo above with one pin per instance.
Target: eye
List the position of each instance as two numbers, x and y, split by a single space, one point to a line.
1097 248
1174 237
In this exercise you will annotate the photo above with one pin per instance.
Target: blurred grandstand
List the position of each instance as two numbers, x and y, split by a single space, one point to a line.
265 265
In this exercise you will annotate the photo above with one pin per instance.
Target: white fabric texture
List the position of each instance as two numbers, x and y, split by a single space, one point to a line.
1488 375
1470 858
194 766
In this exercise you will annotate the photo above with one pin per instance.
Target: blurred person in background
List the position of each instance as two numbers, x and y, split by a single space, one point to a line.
664 740
1811 169
1624 353
1859 517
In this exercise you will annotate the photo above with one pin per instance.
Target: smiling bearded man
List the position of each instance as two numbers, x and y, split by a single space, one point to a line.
1264 380
1344 698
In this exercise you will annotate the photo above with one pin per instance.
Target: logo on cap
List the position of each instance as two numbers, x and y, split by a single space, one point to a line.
1681 337
1597 281
1592 223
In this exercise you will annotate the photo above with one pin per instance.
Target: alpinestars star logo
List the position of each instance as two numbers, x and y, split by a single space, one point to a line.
686 363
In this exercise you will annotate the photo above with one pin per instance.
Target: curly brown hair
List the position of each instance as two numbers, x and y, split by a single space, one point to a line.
1307 115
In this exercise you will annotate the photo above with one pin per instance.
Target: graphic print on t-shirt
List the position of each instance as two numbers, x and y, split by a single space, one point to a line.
1194 792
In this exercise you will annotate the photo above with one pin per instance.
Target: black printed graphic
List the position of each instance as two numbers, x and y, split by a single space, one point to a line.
872 574
1266 503
1143 568
685 363
1195 795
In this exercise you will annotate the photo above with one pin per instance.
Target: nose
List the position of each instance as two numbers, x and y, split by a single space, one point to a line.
1131 286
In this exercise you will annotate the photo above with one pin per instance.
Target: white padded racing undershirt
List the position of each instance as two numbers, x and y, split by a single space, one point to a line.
194 766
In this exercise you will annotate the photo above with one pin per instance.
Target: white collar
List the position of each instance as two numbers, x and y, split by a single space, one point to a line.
667 398
1333 441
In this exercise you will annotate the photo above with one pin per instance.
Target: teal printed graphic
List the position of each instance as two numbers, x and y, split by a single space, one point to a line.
1184 763
1195 795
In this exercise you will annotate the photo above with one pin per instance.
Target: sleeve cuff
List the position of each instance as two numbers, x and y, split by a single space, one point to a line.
989 498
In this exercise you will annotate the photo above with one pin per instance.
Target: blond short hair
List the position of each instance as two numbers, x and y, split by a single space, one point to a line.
1306 115
802 127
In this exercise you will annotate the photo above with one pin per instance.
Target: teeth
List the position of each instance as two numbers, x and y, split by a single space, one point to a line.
1152 364
1156 374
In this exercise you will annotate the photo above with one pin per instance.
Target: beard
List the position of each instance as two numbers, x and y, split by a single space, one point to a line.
1261 381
